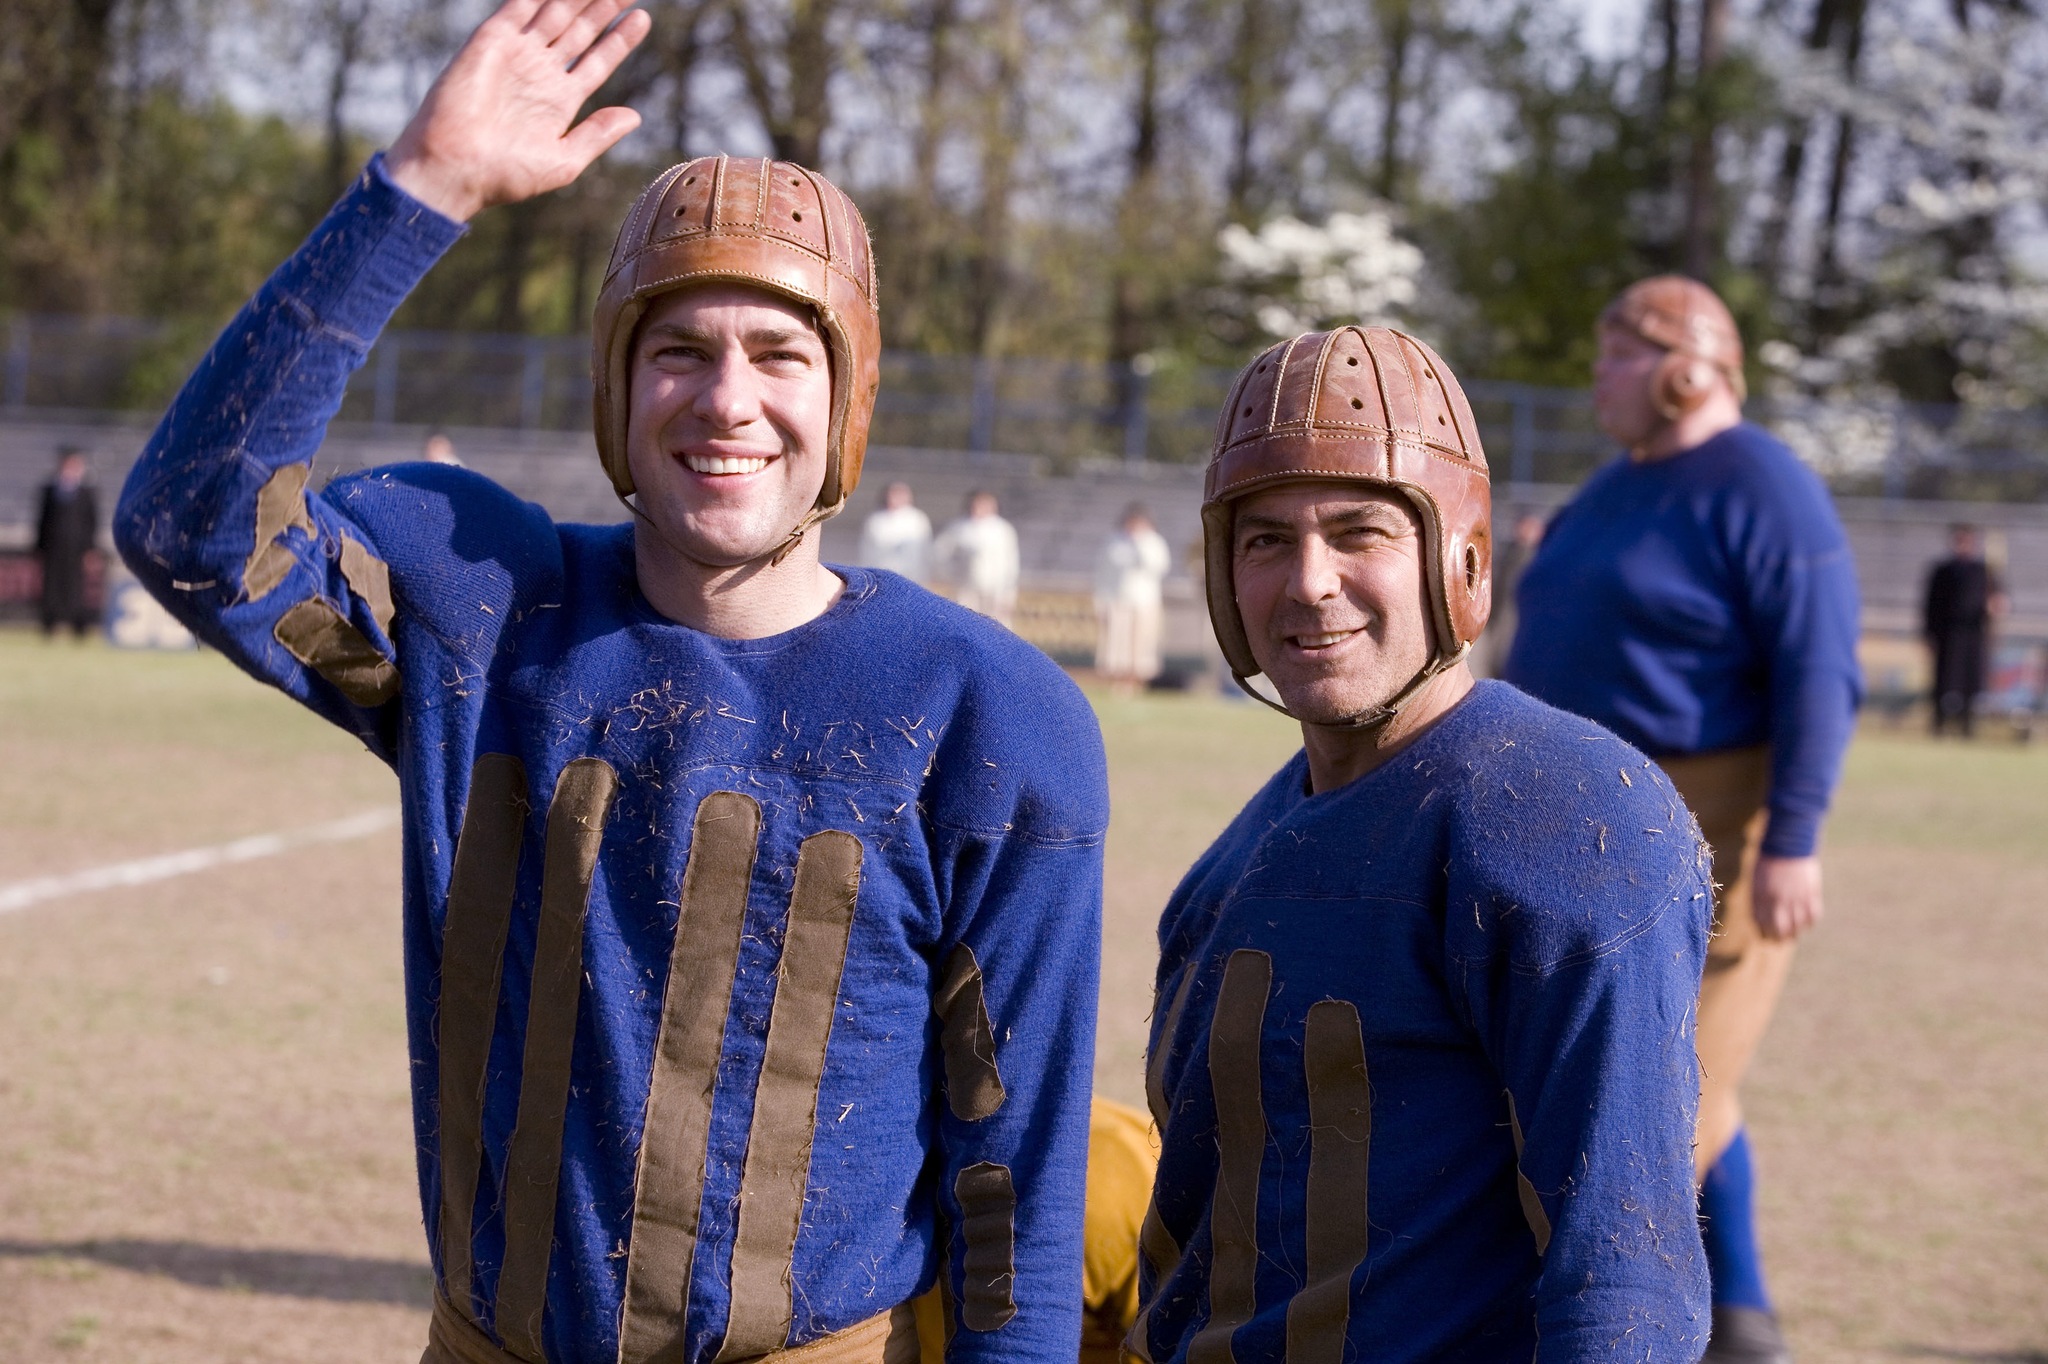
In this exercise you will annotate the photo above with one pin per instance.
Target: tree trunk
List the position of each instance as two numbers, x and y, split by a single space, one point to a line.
924 226
1791 162
1670 25
515 249
1130 310
1702 199
794 110
1397 29
1827 271
1003 131
346 21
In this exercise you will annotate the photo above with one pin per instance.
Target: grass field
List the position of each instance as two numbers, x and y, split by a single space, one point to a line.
205 1153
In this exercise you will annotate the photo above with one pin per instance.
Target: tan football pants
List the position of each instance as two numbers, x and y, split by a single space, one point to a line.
1745 971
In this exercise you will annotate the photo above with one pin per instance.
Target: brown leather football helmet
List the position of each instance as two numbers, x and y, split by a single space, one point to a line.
1370 405
768 224
1689 320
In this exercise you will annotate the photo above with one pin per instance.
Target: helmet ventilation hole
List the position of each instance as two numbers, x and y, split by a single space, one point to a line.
689 179
1358 402
1440 420
797 217
1351 360
1247 412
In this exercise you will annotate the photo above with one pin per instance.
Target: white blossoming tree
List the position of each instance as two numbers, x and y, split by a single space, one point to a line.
1292 276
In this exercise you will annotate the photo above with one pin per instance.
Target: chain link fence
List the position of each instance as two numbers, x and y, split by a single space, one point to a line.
1066 411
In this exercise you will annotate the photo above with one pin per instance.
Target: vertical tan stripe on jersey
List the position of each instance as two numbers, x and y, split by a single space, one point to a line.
988 1266
669 1187
1162 1252
1235 1032
583 797
480 891
1340 1147
1532 1206
974 1087
1155 1064
778 1163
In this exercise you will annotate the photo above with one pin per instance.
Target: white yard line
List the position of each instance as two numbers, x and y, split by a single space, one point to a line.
21 894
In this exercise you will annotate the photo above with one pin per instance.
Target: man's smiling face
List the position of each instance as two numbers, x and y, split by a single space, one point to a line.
729 416
1330 585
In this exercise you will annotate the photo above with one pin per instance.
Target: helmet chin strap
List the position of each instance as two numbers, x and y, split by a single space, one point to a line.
774 557
1376 717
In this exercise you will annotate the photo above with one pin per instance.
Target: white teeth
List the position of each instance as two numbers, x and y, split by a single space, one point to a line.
1321 641
716 464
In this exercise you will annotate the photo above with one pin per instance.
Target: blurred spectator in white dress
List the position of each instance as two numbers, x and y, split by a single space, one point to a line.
978 555
898 537
1130 603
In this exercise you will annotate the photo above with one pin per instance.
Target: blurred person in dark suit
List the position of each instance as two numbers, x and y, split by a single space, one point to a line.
1962 597
67 523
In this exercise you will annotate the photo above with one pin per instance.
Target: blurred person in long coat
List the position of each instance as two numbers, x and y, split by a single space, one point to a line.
979 555
1962 597
67 523
1130 603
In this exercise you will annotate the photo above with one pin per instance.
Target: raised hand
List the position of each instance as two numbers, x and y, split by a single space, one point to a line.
495 127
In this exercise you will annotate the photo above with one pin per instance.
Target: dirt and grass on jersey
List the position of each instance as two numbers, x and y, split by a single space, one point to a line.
205 1144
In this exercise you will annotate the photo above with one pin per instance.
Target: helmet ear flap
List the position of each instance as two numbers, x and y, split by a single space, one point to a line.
1681 385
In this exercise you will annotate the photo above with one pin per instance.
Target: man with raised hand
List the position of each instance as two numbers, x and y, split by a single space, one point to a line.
751 906
1422 1061
1698 597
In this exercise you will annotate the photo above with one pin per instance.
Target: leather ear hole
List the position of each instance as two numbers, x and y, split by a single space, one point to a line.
1471 568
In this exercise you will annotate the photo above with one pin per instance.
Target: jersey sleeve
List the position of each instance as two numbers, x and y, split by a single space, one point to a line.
1578 913
217 519
1802 607
1018 967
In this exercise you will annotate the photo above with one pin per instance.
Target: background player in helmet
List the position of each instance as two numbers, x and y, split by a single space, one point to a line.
1422 1060
1697 597
751 906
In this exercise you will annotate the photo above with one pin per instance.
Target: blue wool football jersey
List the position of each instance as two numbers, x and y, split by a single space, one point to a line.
1422 1061
751 983
1700 603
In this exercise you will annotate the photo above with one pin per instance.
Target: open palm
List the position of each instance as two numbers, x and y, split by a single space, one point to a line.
496 127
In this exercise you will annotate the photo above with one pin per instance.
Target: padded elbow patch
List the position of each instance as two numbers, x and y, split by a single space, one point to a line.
280 506
974 1087
988 1203
321 637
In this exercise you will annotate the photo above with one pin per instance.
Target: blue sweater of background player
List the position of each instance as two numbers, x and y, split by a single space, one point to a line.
1517 904
967 765
1703 602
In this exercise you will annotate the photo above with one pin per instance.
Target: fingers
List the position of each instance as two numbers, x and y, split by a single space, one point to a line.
595 136
596 65
587 25
516 14
569 25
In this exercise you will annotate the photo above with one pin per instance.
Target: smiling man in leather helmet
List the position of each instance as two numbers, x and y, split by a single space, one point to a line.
1422 1061
752 907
